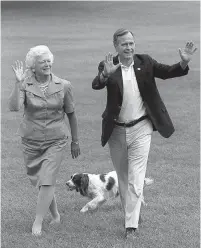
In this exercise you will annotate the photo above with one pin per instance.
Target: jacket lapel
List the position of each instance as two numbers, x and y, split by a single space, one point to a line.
139 70
118 75
33 87
139 73
54 86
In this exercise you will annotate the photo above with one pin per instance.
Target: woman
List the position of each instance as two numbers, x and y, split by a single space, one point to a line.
46 99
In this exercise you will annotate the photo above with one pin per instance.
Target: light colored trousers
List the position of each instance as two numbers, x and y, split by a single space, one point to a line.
129 150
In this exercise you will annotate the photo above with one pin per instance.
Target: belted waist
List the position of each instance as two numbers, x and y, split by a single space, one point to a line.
131 123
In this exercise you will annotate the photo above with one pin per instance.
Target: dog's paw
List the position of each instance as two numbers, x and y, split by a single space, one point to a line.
148 181
84 209
144 203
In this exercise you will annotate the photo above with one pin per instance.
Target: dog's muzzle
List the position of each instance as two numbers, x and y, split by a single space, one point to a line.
70 185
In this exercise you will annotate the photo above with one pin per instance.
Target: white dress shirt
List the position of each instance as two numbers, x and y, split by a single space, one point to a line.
132 106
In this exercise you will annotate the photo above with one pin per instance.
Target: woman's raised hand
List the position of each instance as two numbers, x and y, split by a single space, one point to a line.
18 70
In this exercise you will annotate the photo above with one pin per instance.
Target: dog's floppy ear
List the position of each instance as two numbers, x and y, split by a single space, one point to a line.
76 178
84 184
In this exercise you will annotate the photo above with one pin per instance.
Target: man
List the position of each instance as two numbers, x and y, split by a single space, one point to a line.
134 109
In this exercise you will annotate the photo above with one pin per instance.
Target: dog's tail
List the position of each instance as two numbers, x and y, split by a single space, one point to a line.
148 181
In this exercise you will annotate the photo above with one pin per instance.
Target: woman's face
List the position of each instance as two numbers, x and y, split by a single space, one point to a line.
43 65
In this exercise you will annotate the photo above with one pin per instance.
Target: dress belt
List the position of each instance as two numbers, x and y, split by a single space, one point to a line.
131 123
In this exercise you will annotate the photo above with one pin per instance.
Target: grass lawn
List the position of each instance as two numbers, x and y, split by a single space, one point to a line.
80 35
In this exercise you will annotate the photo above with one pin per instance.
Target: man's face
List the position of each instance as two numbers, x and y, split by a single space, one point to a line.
125 46
43 65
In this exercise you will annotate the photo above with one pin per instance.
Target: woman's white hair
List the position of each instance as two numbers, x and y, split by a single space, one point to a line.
34 52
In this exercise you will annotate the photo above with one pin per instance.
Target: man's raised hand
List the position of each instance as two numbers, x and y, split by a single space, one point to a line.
109 66
188 51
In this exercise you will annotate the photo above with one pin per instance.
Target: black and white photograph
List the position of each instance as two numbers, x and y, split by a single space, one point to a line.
100 124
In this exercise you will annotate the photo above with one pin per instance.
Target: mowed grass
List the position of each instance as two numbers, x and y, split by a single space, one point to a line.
80 35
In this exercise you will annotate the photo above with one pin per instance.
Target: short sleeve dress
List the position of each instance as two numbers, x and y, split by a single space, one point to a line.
43 130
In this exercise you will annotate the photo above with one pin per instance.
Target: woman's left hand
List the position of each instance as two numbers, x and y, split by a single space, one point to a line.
19 71
75 150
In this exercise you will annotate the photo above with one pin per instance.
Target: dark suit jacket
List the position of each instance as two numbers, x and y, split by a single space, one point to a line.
146 70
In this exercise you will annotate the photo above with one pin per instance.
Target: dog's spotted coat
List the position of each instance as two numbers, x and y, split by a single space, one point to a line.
98 187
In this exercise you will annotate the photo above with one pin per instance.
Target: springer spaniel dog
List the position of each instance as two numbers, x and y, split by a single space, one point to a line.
98 187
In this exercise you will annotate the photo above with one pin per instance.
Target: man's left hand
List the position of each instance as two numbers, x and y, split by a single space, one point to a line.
188 52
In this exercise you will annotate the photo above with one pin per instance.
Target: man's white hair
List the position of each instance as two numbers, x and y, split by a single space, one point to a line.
34 52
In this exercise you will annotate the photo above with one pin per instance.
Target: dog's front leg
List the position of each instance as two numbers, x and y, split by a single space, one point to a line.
93 204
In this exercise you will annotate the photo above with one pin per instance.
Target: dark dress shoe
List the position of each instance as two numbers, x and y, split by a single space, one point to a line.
130 232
